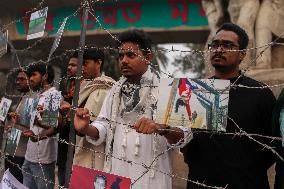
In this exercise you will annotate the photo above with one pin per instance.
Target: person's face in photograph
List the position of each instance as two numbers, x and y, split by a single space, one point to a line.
100 183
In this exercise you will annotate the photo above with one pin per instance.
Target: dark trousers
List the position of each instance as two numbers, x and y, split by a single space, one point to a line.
279 177
61 162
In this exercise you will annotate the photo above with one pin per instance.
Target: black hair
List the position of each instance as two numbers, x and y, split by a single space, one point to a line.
136 36
41 67
102 177
16 71
74 55
241 33
95 54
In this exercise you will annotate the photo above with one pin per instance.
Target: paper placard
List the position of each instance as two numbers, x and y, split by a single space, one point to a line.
195 103
51 109
37 24
10 182
92 179
13 141
4 108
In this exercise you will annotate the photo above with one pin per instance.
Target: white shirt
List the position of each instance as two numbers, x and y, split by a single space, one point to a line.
44 150
150 147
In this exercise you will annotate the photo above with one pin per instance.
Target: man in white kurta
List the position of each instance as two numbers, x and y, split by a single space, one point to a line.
125 123
133 146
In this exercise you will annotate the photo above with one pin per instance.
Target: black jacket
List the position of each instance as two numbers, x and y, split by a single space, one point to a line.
279 177
235 161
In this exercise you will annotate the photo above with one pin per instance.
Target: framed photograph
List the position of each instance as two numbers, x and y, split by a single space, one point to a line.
51 109
37 24
13 141
4 108
28 110
9 181
195 103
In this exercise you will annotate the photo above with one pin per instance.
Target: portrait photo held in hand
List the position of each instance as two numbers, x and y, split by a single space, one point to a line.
195 103
29 107
51 109
4 108
86 178
12 141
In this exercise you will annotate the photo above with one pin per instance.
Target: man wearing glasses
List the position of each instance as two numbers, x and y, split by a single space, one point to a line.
230 160
18 158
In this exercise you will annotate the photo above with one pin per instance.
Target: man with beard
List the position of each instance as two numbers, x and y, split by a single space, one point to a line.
19 157
224 160
126 123
41 151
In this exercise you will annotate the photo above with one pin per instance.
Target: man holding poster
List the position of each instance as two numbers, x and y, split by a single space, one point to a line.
125 120
232 160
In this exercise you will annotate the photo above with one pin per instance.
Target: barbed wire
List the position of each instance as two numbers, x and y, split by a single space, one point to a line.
36 8
47 36
188 180
172 175
240 133
4 157
253 61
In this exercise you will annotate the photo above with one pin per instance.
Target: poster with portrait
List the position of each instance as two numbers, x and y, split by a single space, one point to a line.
12 141
195 103
27 111
37 24
51 109
4 108
92 179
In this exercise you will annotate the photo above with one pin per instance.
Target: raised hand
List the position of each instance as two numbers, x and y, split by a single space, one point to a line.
65 109
65 106
146 126
14 117
30 134
82 120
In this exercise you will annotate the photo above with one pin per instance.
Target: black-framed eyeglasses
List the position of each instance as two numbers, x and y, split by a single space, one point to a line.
223 45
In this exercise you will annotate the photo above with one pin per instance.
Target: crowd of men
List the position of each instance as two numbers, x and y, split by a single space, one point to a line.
116 118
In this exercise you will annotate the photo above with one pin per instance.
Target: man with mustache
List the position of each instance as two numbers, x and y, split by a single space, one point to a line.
41 153
125 122
22 86
225 160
